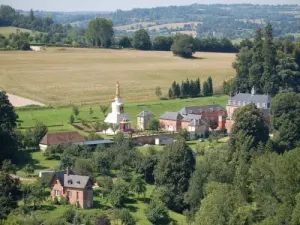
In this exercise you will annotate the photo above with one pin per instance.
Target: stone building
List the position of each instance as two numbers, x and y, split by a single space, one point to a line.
78 190
143 119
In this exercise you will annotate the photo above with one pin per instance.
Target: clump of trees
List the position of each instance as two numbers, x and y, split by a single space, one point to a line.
141 40
100 32
18 41
187 88
268 65
183 46
191 89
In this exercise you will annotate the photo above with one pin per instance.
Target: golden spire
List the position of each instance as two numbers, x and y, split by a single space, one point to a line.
118 90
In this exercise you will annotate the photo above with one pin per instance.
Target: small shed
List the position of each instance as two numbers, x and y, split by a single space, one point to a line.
164 140
95 143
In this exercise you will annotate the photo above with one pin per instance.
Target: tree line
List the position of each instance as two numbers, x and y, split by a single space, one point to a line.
191 89
269 65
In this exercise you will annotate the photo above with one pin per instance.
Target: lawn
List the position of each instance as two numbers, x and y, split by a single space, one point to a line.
63 76
58 117
6 31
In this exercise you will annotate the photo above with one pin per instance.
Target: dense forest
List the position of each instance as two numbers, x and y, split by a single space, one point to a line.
231 21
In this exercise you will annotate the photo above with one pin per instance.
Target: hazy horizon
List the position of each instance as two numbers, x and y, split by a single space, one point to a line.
112 5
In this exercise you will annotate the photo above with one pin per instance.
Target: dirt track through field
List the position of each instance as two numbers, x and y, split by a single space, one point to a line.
18 101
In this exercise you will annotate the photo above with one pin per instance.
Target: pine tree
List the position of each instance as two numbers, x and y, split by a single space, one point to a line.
257 68
210 86
269 78
187 89
177 90
170 93
205 89
182 93
198 87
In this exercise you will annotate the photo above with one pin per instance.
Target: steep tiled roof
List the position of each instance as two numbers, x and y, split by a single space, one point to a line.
75 181
249 98
171 116
199 109
145 113
72 180
190 117
62 138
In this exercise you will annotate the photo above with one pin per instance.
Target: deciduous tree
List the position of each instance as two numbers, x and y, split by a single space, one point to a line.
173 172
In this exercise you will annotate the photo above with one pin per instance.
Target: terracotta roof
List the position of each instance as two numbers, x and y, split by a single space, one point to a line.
62 138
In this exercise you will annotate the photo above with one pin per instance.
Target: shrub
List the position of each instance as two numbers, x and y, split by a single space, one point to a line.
63 200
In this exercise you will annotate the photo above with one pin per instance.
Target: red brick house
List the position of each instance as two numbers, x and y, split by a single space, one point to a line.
262 102
212 114
193 117
61 138
174 121
77 189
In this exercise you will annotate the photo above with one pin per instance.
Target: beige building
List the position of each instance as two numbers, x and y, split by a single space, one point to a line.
143 119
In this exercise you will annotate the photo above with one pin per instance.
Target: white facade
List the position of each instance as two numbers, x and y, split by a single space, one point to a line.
117 114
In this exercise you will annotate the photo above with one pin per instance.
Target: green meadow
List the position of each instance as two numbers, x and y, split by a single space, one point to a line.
57 118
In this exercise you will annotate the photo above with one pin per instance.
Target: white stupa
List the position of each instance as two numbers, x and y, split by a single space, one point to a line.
117 117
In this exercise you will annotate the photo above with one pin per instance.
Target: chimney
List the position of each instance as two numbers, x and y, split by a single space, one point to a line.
68 171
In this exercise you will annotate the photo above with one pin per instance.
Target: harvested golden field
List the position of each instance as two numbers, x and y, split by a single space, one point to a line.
88 76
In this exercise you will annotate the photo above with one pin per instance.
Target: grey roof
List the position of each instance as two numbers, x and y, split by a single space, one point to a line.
171 116
249 98
72 180
145 113
199 109
75 181
197 122
190 117
98 142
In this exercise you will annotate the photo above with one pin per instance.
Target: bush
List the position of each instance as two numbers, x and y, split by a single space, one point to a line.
69 215
55 201
183 45
157 212
63 201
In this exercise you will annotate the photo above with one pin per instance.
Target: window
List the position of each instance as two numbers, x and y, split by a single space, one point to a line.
56 192
77 195
69 194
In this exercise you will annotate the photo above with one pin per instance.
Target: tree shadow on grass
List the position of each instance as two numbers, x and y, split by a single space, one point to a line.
23 157
131 208
196 58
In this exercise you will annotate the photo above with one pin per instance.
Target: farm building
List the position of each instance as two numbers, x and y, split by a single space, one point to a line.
61 138
77 189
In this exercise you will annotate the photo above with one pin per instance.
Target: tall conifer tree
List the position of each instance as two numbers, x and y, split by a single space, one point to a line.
257 68
269 77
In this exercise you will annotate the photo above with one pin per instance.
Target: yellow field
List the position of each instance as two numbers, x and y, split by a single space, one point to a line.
6 31
88 76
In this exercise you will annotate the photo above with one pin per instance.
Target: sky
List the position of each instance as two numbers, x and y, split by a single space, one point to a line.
111 5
